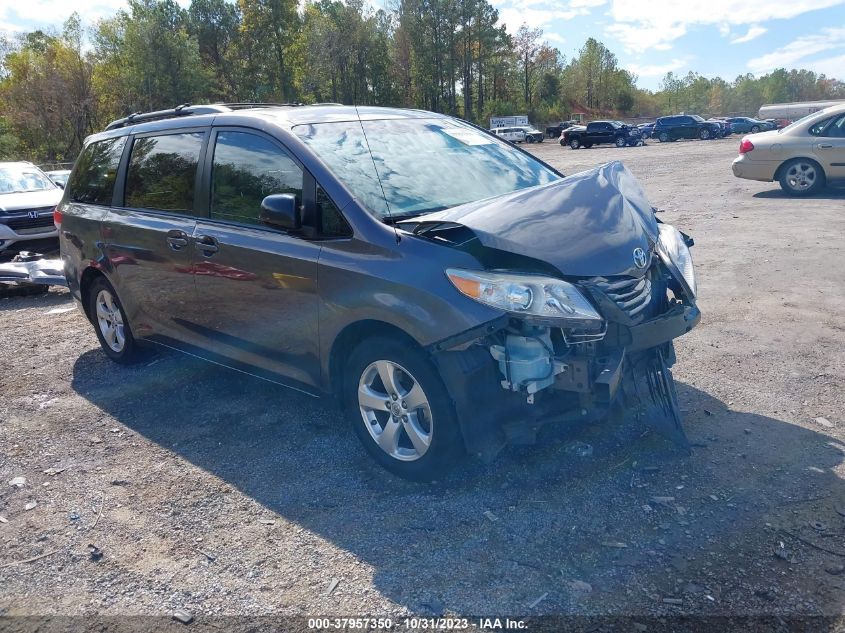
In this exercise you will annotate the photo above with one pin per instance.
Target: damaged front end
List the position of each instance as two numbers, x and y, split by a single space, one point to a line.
571 348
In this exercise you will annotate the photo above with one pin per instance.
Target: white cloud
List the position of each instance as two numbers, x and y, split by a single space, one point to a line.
554 37
654 24
514 17
33 13
754 31
656 70
833 67
798 50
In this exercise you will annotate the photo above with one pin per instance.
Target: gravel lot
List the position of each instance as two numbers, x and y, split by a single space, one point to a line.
209 491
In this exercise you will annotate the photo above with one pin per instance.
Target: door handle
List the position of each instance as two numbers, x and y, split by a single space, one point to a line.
825 146
206 244
177 240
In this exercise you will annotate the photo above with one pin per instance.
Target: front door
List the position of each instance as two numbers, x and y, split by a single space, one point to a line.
257 284
146 237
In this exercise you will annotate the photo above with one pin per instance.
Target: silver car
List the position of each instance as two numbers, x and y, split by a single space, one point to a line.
803 157
27 200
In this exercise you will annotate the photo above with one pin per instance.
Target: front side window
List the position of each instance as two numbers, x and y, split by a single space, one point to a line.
23 178
162 172
817 128
96 172
248 168
404 168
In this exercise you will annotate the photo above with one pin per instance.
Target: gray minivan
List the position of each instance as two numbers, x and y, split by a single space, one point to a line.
451 290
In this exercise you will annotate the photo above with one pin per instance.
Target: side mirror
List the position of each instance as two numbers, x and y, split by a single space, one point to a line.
59 184
281 211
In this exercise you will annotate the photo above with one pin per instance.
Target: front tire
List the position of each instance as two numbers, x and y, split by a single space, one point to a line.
663 137
574 143
110 323
401 411
801 177
755 129
621 142
704 134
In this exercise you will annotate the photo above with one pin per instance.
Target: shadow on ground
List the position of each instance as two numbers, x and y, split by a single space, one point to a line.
829 193
724 531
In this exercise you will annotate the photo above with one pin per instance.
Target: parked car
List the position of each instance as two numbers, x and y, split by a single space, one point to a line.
27 200
532 134
554 131
802 157
452 291
724 126
599 132
646 129
58 176
744 125
512 134
672 128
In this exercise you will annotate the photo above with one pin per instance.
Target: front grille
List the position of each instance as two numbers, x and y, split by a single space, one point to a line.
634 295
25 223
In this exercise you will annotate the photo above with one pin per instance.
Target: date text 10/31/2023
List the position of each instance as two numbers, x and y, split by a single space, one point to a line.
417 624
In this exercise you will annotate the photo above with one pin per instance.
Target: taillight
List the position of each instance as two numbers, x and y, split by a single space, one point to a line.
745 146
57 218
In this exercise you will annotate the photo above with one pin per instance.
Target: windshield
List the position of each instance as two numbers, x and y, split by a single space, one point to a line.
419 166
20 179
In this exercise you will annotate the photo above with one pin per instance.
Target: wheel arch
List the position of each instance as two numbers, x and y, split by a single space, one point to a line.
350 337
89 275
779 170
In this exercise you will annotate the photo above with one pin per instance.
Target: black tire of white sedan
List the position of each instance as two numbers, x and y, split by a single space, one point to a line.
110 323
400 410
801 177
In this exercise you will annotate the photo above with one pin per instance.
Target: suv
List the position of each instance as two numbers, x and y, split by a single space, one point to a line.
598 132
27 200
452 291
671 128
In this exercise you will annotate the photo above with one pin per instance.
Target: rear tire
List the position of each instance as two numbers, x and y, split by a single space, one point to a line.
801 177
110 323
401 411
663 137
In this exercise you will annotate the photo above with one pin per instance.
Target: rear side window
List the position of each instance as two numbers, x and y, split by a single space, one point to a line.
248 168
162 172
92 181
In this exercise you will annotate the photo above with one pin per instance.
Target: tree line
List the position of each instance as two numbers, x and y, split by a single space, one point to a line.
451 56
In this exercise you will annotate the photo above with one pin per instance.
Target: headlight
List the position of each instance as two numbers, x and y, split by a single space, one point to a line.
674 251
528 295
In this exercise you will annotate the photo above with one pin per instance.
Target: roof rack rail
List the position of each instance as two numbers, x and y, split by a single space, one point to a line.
258 104
185 109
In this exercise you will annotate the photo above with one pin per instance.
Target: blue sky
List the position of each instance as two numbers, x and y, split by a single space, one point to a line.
650 37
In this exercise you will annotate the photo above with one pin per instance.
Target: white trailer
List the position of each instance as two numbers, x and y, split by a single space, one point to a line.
508 121
794 111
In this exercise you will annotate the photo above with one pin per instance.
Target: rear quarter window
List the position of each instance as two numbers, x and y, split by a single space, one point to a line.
92 181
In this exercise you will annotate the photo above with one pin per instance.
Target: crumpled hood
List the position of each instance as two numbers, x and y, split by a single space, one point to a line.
11 202
585 225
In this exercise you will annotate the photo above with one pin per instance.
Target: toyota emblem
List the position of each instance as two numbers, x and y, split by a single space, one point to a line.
640 259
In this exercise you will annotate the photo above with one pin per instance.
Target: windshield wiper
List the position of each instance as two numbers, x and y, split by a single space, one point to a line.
395 218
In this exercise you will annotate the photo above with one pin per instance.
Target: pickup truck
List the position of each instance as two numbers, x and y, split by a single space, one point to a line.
554 131
598 132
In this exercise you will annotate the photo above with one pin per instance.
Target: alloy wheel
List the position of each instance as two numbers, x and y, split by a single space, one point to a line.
801 176
110 321
395 410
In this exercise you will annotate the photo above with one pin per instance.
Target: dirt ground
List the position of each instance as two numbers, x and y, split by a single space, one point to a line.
208 491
